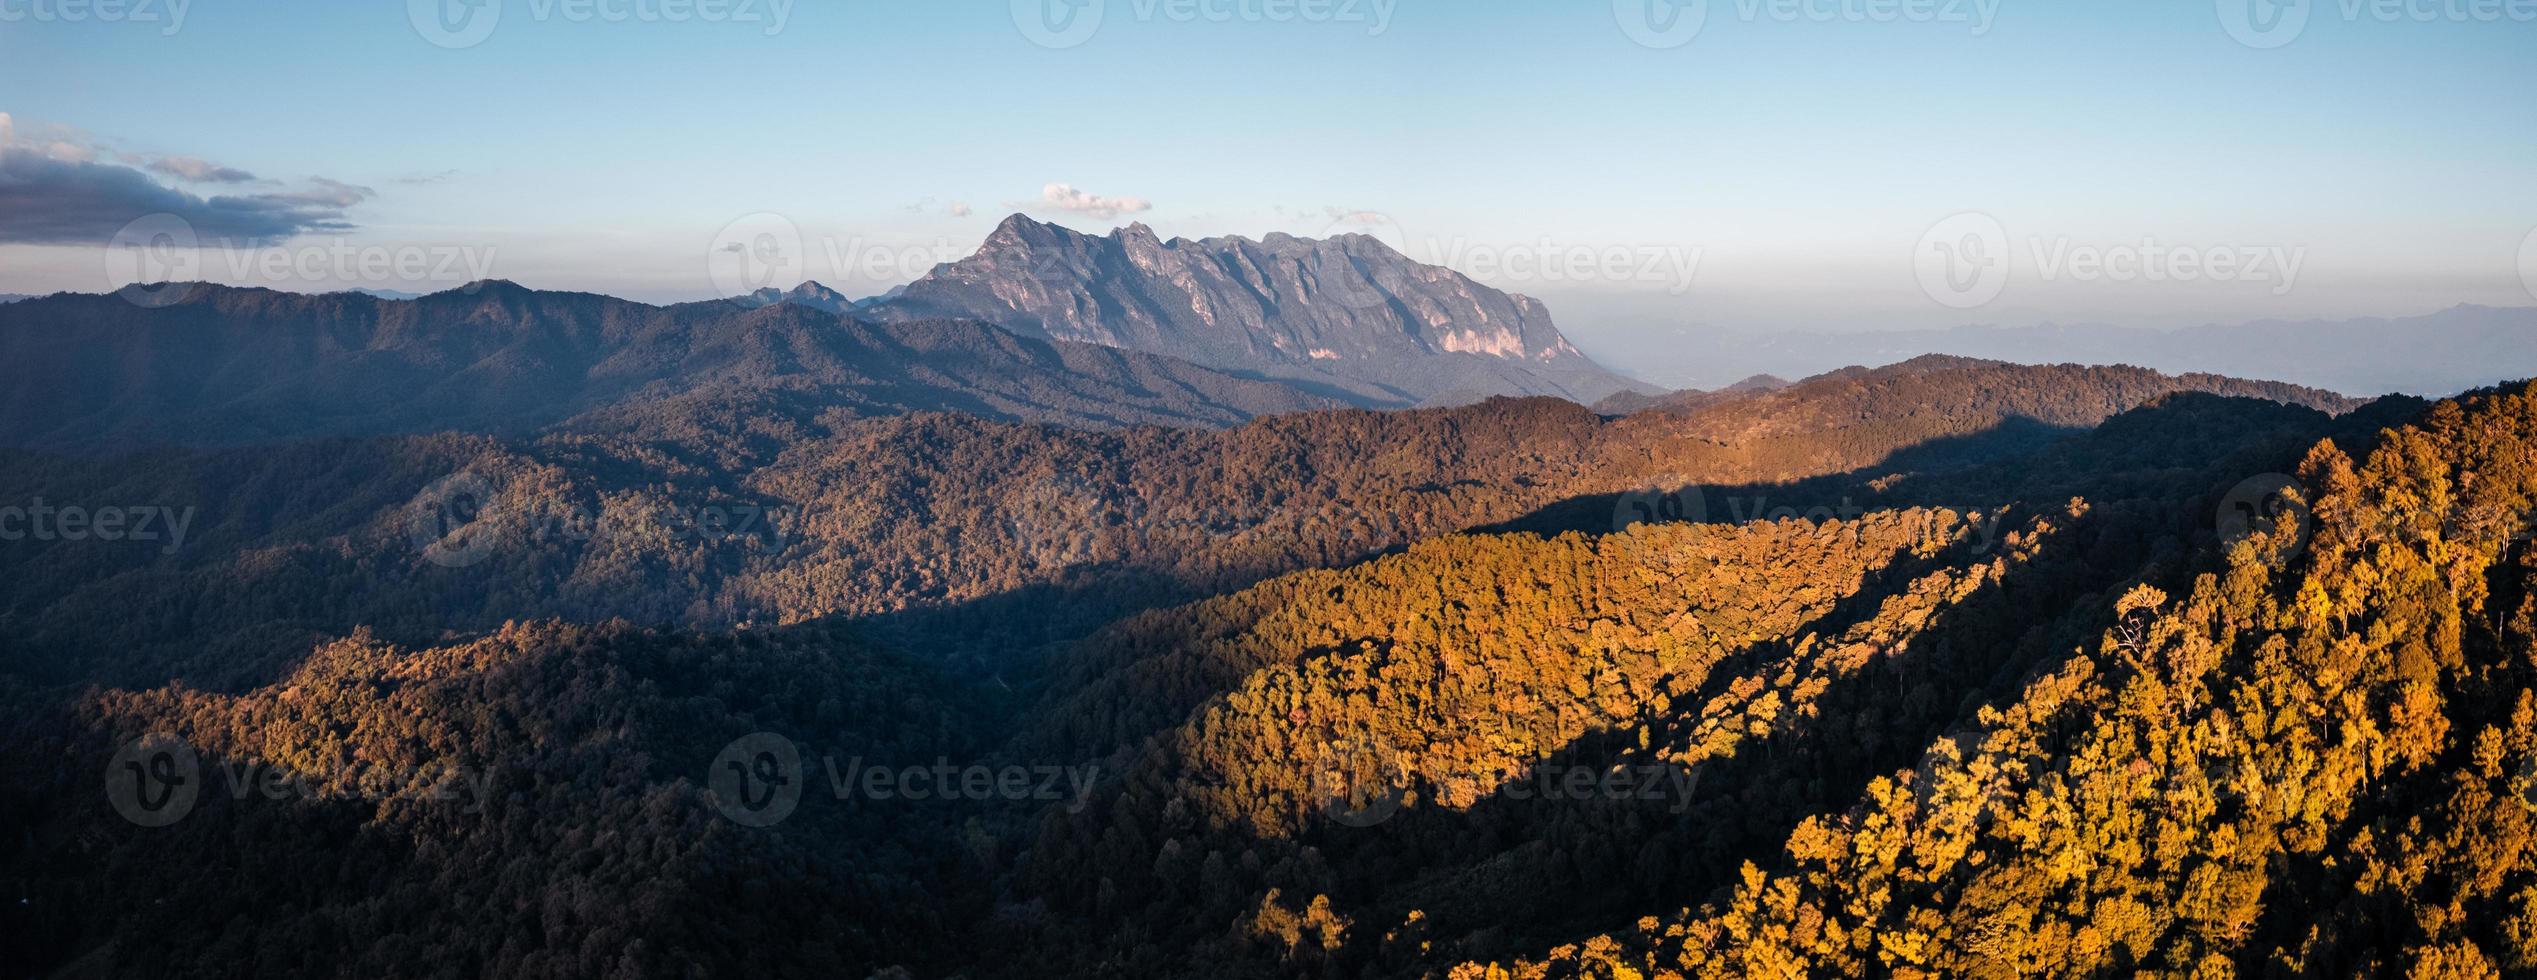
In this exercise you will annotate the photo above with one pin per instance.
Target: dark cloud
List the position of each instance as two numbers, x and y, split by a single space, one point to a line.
200 171
48 201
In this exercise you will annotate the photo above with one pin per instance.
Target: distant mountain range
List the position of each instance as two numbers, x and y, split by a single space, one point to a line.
1348 315
1094 331
13 297
1042 324
227 366
2054 396
2432 355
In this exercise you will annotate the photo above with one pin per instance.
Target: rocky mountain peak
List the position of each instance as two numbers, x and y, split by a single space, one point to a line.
1349 313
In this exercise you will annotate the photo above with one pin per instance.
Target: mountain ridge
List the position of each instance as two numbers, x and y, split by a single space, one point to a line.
227 365
1346 312
2435 354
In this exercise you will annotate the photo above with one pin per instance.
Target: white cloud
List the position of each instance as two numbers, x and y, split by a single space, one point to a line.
960 209
1065 197
327 193
199 170
1365 218
55 141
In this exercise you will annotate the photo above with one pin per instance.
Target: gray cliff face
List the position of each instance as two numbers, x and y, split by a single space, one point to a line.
1347 313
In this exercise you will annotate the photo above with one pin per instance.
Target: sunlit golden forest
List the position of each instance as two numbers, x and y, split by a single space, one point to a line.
1947 669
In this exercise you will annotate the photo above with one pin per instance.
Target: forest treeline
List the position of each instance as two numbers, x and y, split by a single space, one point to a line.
1341 773
1364 694
2314 756
978 540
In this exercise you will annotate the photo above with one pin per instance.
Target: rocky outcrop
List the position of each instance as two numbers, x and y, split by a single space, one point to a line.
1348 314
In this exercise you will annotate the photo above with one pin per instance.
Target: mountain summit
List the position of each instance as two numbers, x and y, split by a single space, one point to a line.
1348 314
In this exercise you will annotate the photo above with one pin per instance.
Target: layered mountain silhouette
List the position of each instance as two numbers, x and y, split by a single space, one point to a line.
1348 315
538 607
1042 324
810 294
2432 355
223 365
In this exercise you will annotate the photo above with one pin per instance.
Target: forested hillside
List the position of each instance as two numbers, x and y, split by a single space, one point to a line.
2310 753
971 537
510 805
1949 668
1097 490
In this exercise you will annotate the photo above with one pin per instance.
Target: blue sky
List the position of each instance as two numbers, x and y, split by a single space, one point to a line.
1780 170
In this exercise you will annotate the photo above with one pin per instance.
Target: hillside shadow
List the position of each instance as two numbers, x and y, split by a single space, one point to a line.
1012 631
1871 487
2177 440
1004 631
2137 452
1592 864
